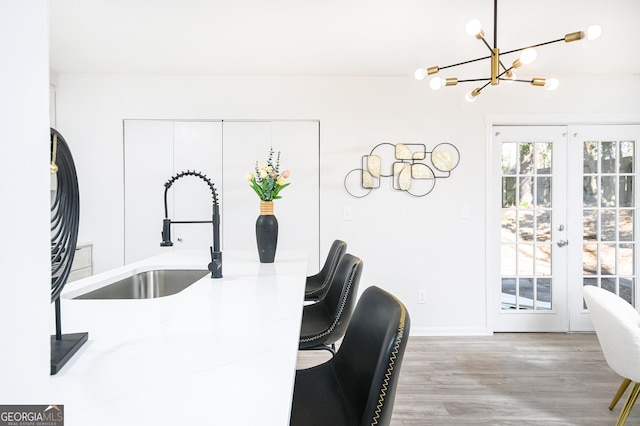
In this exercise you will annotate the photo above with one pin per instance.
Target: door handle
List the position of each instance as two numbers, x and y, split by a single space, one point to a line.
562 243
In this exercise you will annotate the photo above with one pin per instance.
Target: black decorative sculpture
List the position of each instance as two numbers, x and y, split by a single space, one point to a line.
65 215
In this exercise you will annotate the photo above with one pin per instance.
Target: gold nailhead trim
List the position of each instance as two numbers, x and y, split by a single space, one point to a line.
392 360
344 301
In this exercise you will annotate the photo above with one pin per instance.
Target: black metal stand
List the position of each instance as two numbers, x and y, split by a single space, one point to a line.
64 346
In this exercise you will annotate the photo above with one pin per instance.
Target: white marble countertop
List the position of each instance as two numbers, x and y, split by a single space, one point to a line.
221 352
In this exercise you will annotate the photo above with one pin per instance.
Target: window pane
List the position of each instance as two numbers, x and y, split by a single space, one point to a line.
526 158
590 225
525 259
508 226
543 226
626 156
526 191
508 293
608 225
525 225
543 259
590 191
607 259
608 157
508 259
609 284
509 191
626 289
544 192
590 157
626 191
543 295
525 293
625 264
589 259
608 191
625 225
543 154
509 158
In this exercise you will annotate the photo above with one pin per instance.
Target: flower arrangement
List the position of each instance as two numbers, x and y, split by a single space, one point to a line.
267 181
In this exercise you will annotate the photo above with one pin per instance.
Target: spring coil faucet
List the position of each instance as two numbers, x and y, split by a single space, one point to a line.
216 255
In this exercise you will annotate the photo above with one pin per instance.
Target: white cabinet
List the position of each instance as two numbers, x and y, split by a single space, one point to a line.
82 265
155 150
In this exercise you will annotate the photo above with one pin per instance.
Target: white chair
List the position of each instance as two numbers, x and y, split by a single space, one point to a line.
617 326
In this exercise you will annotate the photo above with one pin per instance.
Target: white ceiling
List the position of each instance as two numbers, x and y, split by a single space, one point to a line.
334 37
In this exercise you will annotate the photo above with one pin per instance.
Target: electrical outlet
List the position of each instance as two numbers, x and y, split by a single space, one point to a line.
422 296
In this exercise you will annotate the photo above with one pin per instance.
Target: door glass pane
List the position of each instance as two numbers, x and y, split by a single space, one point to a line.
608 191
543 259
509 191
525 294
590 191
543 191
590 225
525 225
543 226
509 158
543 293
626 225
525 259
626 156
543 158
526 158
608 216
626 191
608 224
608 157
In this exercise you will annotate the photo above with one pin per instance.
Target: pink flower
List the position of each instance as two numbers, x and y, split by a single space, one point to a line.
286 174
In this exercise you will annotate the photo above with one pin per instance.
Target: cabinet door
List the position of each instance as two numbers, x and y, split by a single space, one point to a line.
154 151
148 163
197 145
298 210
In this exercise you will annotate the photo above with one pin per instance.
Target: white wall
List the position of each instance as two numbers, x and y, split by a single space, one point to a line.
25 253
406 243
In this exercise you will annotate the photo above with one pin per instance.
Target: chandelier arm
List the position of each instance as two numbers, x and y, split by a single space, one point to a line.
465 62
474 79
532 46
487 44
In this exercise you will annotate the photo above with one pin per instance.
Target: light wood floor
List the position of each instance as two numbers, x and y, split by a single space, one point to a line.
506 379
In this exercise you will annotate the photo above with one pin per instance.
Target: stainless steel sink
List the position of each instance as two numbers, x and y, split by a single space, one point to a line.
147 285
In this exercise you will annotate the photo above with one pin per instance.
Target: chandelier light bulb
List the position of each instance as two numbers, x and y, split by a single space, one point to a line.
474 27
593 32
528 56
420 74
552 83
436 83
470 97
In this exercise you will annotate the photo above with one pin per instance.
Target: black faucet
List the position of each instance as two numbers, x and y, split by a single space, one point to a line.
216 255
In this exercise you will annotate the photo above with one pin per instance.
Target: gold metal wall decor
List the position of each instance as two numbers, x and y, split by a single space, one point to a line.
411 168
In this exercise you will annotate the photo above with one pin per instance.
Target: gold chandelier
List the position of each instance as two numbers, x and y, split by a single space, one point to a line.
498 70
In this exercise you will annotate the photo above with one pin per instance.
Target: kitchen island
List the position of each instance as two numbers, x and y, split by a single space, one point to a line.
221 352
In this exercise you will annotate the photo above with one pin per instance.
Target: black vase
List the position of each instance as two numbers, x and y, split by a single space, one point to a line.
267 233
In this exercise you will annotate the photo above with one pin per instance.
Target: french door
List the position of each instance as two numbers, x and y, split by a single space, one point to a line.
562 216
